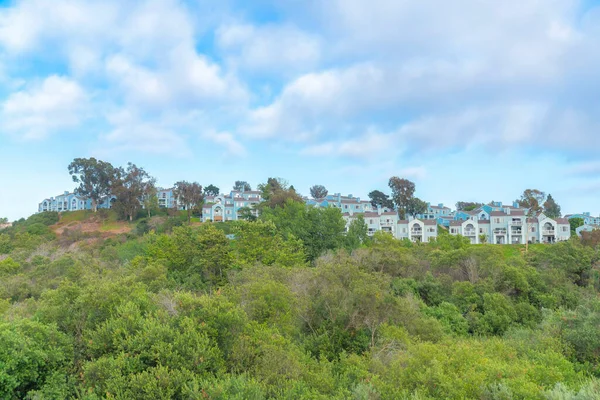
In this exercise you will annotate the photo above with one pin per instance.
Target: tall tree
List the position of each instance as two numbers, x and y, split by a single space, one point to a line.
532 200
357 233
95 178
551 208
318 192
378 198
189 195
3 220
416 206
130 186
242 186
150 200
211 190
403 192
277 192
467 205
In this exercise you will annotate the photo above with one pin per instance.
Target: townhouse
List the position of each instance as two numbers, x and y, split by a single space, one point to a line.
416 230
71 202
347 204
512 227
228 207
587 218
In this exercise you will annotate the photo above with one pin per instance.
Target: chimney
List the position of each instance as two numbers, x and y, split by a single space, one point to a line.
441 205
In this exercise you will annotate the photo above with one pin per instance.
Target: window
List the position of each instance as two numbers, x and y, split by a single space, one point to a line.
346 206
498 220
480 230
370 221
533 229
403 230
453 230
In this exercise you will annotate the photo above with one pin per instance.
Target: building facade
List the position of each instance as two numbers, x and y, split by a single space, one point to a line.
512 227
227 207
347 204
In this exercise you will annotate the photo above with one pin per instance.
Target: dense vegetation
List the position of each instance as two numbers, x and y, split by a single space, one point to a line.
292 307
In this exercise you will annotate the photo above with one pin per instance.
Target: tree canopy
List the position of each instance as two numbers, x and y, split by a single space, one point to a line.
95 177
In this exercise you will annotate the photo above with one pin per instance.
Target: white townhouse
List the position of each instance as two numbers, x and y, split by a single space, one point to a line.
512 227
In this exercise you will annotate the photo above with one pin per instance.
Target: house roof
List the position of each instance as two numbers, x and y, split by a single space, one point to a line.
389 213
516 212
430 222
371 215
483 222
403 221
456 223
497 214
532 220
562 221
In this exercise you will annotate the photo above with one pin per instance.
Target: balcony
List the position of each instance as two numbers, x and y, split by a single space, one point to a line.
516 232
416 231
499 231
386 223
470 232
516 223
548 232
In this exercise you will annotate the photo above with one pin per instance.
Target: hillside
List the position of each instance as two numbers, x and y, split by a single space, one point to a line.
291 308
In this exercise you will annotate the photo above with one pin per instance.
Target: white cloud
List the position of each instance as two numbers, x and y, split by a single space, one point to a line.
284 48
130 132
370 146
33 113
226 140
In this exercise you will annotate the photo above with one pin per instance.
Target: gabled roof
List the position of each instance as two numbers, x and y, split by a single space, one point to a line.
430 222
456 223
562 221
517 213
497 214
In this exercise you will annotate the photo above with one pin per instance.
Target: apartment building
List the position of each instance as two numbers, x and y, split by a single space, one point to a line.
227 207
512 227
71 202
347 204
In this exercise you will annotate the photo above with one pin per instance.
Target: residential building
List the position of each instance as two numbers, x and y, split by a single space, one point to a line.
227 207
64 202
434 212
512 227
347 204
587 218
586 228
417 230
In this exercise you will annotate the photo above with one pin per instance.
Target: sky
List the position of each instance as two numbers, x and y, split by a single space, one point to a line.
472 100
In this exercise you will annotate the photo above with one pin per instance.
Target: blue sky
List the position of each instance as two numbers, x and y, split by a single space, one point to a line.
472 100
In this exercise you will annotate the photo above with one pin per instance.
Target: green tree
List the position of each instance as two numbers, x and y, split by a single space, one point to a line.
403 192
211 190
467 205
320 229
95 178
575 223
532 200
150 200
130 187
246 214
3 221
277 193
357 233
416 206
260 242
242 186
378 198
551 208
189 195
318 192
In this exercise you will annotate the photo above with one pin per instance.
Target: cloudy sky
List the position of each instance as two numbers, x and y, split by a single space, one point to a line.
471 99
